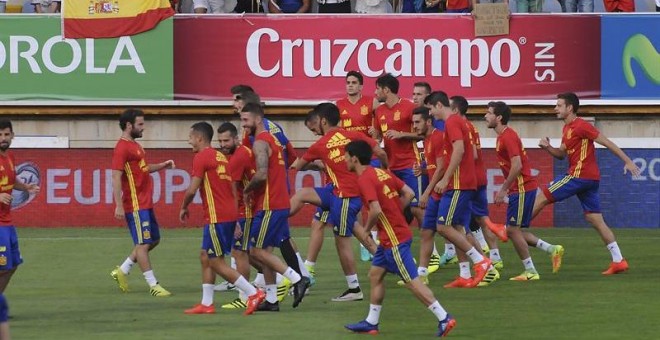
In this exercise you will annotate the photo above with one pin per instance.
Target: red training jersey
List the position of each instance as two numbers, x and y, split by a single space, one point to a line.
479 168
432 151
242 168
331 149
217 198
356 117
382 186
508 146
463 177
401 153
578 137
274 194
136 184
7 181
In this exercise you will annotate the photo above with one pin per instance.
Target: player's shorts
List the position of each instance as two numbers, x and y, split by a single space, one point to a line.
431 213
243 243
10 254
143 226
415 183
480 202
397 260
566 186
269 228
456 208
217 238
343 215
519 210
326 195
321 215
4 309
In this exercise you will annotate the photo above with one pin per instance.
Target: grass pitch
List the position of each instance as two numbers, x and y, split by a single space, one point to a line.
64 291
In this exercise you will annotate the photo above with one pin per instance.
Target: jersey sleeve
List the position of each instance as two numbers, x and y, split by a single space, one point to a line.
589 131
368 189
198 168
453 130
312 153
119 158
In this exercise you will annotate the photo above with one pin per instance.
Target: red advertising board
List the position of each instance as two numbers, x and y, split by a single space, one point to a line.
306 57
76 188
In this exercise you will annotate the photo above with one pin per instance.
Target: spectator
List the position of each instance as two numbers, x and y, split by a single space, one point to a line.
209 6
619 5
248 6
334 6
46 6
532 6
459 6
289 6
433 6
583 6
3 5
497 2
373 6
657 5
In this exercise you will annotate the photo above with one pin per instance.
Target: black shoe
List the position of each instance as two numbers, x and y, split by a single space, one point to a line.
299 289
269 307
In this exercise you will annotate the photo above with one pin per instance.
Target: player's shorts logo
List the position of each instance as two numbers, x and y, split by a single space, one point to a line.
640 48
146 235
3 260
27 173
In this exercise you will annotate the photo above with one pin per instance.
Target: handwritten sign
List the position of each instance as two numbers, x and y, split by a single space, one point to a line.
491 19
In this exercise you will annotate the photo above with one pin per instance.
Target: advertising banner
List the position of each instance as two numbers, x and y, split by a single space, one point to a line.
631 56
76 188
307 57
36 63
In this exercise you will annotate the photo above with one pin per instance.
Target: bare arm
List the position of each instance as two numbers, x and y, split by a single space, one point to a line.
305 6
437 175
629 165
559 153
31 188
168 164
299 164
393 134
516 169
261 151
374 212
116 193
382 156
195 183
406 195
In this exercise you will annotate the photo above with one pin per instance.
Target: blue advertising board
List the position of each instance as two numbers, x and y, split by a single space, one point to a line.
630 50
626 202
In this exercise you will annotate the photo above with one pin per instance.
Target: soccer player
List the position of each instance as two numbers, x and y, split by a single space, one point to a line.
269 191
521 188
457 187
356 109
342 201
210 175
481 227
583 177
393 122
386 195
10 254
132 187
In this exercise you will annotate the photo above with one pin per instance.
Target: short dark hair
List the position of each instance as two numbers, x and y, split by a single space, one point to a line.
571 99
249 97
423 84
361 150
437 97
227 126
389 81
357 75
459 103
255 109
128 116
240 88
424 111
311 115
6 124
501 109
329 111
203 128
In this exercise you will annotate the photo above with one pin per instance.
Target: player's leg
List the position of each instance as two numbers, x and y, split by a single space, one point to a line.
377 295
343 215
11 255
315 241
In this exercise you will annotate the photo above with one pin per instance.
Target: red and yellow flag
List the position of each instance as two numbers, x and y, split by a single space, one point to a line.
112 18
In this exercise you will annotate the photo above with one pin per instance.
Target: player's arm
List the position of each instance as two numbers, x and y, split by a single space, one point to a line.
261 153
372 217
168 164
514 172
406 195
116 193
235 193
437 175
559 153
195 183
363 235
290 153
31 188
381 155
393 134
628 163
456 156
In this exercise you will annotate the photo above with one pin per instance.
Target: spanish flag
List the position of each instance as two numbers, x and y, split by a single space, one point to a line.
112 18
